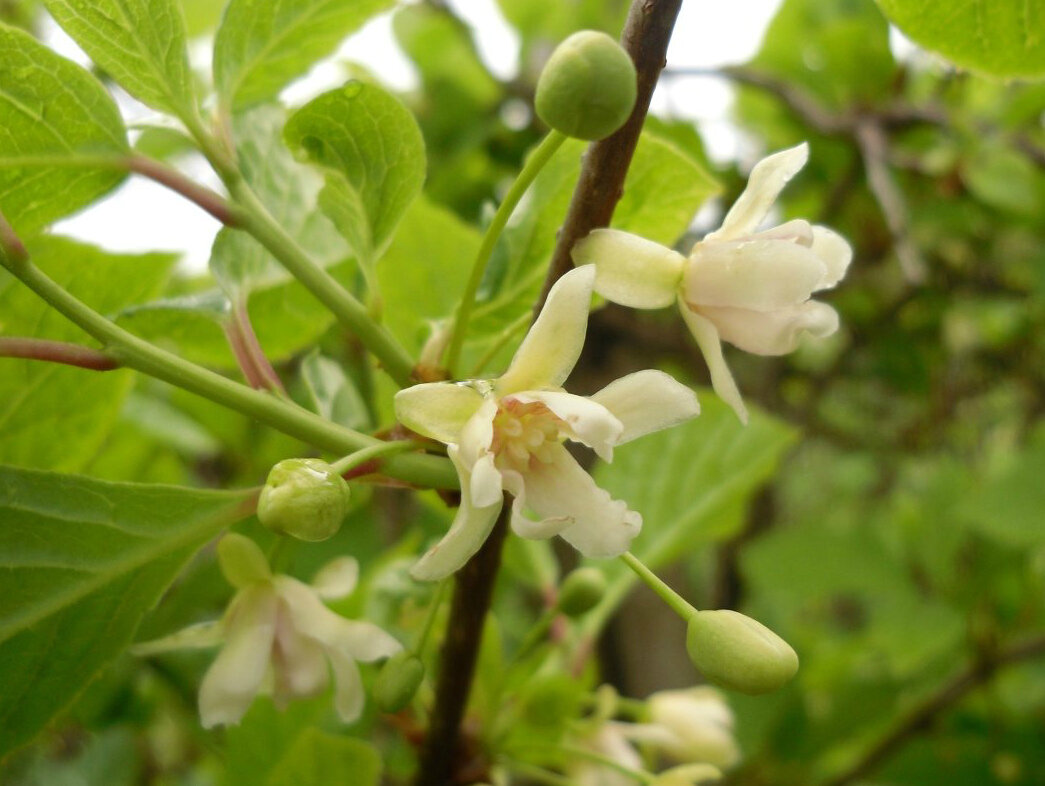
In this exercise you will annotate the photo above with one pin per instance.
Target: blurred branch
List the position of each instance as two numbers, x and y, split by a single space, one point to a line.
56 352
922 715
601 182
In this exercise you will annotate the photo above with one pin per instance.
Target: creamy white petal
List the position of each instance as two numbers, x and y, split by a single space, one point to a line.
764 185
834 251
567 501
337 578
477 435
797 230
758 274
587 421
707 339
348 687
469 530
551 348
200 636
631 270
772 332
232 681
359 639
437 409
647 401
299 664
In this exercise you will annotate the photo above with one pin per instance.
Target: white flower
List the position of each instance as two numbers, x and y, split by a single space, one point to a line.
507 435
278 634
696 726
749 288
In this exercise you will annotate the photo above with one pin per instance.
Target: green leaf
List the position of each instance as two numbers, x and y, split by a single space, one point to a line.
59 125
1006 503
82 562
318 758
42 425
140 43
685 480
373 143
998 37
332 394
262 45
289 190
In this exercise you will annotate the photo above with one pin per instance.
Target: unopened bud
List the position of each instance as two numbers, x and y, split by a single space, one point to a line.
304 498
398 681
736 652
588 86
581 591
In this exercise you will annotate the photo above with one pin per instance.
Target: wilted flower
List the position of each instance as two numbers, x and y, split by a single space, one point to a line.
507 434
277 634
749 288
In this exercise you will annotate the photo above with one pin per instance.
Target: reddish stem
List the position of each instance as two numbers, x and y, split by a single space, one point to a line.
57 352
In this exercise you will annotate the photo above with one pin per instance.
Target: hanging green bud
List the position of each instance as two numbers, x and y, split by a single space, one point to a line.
587 88
304 498
581 590
398 681
736 652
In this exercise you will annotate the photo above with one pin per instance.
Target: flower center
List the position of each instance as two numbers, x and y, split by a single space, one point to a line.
524 435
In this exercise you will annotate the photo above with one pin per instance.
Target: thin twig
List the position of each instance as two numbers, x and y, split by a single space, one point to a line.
921 717
208 200
601 182
56 352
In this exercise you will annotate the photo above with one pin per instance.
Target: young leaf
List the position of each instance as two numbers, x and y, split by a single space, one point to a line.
140 43
261 45
332 393
289 190
998 37
59 127
34 392
81 562
318 758
373 144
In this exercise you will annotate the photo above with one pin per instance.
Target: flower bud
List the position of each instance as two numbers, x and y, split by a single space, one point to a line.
736 652
304 498
587 89
581 590
398 681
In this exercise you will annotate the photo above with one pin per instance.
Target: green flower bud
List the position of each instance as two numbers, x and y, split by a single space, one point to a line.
581 590
398 681
304 498
739 653
587 89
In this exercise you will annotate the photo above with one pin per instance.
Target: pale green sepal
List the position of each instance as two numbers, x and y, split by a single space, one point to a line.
242 562
631 270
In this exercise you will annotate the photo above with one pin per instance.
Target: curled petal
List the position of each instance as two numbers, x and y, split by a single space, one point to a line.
707 339
587 421
647 401
467 533
797 230
437 409
764 185
233 679
761 275
834 252
772 332
336 579
569 503
631 270
551 348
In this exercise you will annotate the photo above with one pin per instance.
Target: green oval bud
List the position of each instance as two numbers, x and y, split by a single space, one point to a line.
581 590
587 89
736 652
304 498
398 681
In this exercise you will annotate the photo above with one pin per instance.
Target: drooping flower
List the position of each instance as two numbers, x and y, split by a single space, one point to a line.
507 434
694 725
749 288
277 635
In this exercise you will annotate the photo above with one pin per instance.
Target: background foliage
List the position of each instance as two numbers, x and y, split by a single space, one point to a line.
886 517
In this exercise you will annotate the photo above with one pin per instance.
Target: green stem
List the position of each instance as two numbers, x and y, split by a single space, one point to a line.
506 335
349 311
133 352
353 460
533 165
677 603
433 612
